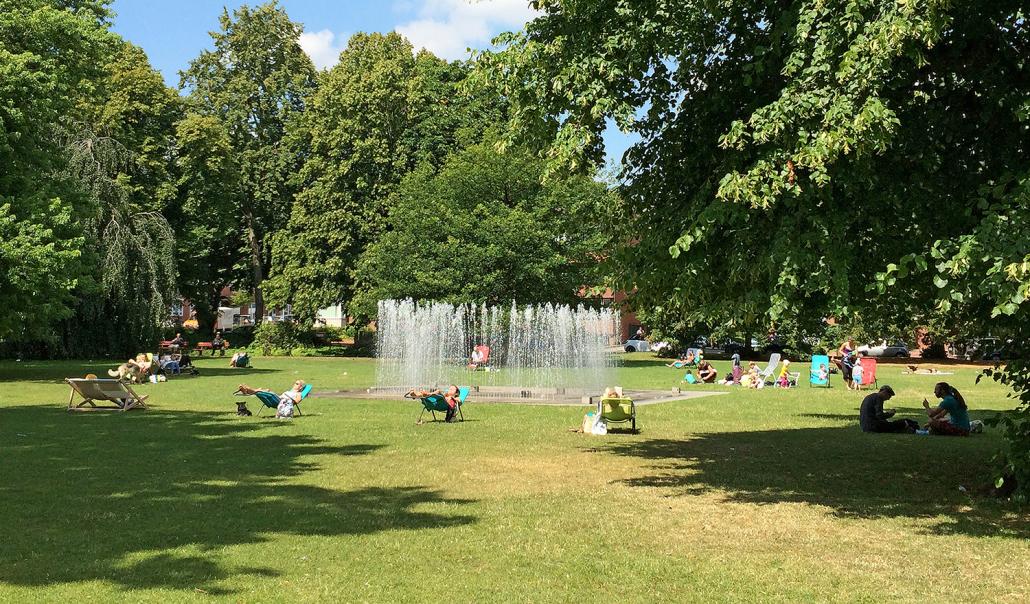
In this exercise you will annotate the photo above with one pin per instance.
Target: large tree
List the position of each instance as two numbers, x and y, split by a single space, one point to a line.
49 57
865 159
486 229
378 113
254 82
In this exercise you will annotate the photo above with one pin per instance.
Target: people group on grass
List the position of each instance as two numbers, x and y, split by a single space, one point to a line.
950 417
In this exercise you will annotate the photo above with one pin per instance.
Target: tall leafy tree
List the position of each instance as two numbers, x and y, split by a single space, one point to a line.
863 159
377 114
50 55
485 228
255 80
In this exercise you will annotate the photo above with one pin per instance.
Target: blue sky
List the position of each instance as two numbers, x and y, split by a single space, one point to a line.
173 32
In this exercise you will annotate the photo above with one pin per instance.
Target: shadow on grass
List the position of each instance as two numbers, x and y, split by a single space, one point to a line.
148 500
857 475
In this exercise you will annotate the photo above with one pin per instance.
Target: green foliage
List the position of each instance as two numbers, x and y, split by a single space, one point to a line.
865 160
378 113
254 82
485 229
281 337
49 59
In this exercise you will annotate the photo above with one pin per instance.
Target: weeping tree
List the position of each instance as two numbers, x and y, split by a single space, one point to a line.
123 306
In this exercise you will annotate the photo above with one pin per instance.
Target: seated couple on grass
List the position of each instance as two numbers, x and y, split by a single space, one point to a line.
452 397
949 418
287 399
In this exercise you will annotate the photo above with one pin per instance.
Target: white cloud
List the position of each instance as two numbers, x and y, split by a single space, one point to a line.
323 47
447 28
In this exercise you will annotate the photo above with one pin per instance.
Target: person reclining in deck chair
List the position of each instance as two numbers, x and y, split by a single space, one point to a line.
451 397
286 400
679 363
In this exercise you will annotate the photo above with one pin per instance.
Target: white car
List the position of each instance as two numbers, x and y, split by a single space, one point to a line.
884 349
643 346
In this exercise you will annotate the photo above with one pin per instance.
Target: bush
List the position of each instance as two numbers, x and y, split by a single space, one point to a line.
281 338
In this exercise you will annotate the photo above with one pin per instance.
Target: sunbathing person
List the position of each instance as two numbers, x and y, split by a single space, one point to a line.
913 370
679 363
286 400
951 416
452 397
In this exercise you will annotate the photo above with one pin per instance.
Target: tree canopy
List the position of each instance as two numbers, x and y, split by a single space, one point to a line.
486 229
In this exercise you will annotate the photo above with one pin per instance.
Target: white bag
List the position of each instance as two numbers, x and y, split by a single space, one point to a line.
600 428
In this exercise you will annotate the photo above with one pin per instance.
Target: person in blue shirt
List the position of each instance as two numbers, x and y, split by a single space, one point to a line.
951 416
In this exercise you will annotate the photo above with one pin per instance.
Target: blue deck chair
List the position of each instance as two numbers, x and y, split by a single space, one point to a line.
271 399
436 402
813 371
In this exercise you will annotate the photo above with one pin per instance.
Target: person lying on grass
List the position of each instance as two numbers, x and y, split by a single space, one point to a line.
951 416
452 397
679 363
286 400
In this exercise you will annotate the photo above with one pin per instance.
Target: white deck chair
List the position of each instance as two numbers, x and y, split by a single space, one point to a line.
112 391
767 373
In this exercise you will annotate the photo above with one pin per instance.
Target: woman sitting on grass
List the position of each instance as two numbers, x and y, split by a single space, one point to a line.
706 372
953 406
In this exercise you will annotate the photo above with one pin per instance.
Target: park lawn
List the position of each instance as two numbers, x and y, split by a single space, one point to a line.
753 495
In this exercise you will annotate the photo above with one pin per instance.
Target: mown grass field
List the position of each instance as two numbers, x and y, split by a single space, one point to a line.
765 495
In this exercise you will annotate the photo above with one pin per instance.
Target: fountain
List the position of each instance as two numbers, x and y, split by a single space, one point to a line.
537 352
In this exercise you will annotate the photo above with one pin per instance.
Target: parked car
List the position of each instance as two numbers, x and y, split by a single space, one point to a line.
884 349
988 349
643 346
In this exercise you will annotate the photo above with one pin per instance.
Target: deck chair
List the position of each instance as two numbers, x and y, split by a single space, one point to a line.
698 357
813 371
618 410
767 373
271 400
112 391
436 402
485 351
868 372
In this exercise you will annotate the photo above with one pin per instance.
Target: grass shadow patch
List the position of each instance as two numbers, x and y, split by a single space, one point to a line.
128 498
855 474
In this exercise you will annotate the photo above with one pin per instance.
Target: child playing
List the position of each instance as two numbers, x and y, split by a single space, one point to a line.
783 381
856 375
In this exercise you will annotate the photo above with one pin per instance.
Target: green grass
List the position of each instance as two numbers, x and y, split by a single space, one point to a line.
751 496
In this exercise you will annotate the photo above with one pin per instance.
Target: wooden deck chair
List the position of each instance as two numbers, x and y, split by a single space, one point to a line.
436 402
270 400
813 371
111 391
618 410
767 373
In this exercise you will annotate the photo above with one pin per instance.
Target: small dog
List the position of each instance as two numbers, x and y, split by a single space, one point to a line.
241 409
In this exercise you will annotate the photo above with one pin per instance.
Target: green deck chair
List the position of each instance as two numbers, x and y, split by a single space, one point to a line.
271 399
618 410
436 402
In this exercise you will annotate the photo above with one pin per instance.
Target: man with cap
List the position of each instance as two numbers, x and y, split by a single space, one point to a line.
873 418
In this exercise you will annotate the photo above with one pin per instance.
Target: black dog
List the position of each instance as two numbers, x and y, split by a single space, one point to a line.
241 409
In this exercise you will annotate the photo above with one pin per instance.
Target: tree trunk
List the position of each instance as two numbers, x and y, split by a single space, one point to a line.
255 263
